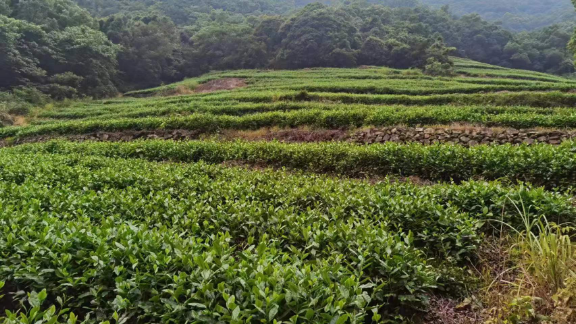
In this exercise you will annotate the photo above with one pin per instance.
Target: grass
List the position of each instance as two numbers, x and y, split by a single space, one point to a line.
230 230
535 276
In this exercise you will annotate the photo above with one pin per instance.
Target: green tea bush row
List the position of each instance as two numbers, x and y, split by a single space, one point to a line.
509 74
534 99
320 118
540 164
239 109
205 102
415 90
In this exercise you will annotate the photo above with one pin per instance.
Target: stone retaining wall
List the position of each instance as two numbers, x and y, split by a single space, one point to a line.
462 136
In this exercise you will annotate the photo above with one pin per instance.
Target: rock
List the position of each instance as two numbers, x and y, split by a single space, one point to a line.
513 132
464 139
528 141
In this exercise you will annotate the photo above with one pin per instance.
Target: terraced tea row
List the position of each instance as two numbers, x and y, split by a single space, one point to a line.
519 117
463 67
239 109
542 164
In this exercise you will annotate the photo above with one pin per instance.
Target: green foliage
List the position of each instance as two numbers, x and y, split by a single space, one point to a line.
148 46
154 242
329 98
22 46
88 54
539 164
52 15
227 47
5 8
165 41
317 36
515 15
53 47
433 67
34 313
548 253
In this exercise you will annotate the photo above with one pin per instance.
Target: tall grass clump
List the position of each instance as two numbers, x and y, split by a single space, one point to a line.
536 282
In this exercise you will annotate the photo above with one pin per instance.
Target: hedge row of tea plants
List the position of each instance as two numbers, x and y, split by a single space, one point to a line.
462 113
148 242
339 118
541 164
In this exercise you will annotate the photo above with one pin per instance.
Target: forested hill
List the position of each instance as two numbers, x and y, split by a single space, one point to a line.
514 14
185 11
60 49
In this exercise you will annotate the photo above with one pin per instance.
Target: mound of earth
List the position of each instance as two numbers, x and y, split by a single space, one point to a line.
220 84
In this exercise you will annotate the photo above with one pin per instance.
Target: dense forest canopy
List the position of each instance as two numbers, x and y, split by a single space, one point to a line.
517 15
66 48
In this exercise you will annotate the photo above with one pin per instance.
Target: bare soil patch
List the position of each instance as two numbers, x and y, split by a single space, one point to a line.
293 135
20 121
220 84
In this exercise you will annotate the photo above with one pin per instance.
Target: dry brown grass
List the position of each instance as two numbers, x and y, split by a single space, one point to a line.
20 121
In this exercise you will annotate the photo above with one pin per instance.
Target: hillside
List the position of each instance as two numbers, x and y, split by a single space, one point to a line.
362 195
517 15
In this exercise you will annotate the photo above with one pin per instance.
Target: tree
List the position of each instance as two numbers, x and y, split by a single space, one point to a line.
227 46
87 53
314 35
268 32
374 51
21 46
5 9
437 68
53 14
149 46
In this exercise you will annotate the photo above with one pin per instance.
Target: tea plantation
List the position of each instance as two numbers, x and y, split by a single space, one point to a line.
108 215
